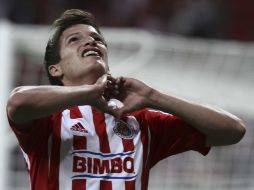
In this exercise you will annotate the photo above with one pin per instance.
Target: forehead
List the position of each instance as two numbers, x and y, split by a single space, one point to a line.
78 28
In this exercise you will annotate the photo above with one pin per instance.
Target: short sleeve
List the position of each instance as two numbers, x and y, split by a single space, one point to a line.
171 135
33 135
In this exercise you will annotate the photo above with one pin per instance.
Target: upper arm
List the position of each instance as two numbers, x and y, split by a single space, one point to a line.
27 103
14 108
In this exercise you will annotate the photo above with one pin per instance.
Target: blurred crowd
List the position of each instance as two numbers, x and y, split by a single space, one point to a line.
224 19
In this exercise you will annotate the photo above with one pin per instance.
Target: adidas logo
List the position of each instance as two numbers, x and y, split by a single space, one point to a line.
79 128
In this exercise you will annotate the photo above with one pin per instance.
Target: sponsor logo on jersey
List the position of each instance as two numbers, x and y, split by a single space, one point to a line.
124 130
78 129
87 164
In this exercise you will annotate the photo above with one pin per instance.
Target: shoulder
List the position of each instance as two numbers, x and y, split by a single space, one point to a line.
152 116
150 113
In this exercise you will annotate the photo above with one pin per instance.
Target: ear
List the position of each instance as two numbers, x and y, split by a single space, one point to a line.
55 70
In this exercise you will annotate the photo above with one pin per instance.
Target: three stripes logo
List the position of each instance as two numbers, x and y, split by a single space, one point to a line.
79 129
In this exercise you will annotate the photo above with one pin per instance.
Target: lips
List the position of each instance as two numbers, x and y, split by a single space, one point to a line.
91 52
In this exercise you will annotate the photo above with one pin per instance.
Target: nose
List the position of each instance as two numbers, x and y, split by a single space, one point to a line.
89 41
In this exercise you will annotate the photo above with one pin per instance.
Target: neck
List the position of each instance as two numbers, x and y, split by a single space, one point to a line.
87 80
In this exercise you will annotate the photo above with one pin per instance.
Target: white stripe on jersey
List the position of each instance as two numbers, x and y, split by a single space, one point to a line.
66 145
115 144
28 165
26 159
148 146
49 152
153 110
139 151
66 161
92 184
93 143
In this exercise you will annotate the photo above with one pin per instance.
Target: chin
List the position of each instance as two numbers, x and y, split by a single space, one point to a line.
100 67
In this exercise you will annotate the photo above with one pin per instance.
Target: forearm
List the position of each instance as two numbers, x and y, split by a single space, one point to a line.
31 102
220 126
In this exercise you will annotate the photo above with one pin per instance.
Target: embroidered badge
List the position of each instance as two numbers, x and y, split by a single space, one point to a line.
124 130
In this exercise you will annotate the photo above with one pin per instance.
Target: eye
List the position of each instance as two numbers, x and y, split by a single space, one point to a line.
73 39
98 39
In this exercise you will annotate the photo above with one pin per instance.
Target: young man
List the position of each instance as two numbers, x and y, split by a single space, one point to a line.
72 137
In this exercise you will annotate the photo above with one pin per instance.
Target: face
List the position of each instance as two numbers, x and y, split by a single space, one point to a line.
83 56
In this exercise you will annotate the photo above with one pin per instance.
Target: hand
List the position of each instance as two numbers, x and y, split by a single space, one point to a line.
133 93
103 91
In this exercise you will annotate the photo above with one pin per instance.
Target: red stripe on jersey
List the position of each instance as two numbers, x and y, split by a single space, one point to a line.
38 176
146 167
78 184
130 185
75 113
79 142
55 153
105 185
128 145
100 128
38 156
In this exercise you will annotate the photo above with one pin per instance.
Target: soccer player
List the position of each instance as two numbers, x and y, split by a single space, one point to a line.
73 137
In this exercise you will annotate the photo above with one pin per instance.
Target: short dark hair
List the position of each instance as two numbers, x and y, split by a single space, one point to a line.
67 19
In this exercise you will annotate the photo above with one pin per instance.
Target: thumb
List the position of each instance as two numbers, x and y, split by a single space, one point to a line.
102 80
113 112
123 110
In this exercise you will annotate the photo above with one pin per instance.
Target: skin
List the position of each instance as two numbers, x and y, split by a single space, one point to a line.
74 69
87 82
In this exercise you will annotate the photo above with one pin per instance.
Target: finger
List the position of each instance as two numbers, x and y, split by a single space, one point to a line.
106 95
114 113
102 80
118 80
124 110
104 107
121 82
113 94
110 78
110 91
110 111
109 85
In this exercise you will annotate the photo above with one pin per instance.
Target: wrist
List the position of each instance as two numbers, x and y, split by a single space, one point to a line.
152 100
93 93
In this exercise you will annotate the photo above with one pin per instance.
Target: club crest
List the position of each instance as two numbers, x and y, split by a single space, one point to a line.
124 130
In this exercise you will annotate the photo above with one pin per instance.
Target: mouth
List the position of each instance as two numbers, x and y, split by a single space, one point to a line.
91 52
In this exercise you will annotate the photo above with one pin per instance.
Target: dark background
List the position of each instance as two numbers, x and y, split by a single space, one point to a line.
221 19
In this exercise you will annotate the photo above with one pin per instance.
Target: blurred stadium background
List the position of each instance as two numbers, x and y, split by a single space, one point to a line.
201 50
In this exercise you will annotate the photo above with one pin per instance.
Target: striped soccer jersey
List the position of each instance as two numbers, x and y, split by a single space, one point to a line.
83 149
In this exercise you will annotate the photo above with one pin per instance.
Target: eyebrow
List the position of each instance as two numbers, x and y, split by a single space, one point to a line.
96 34
92 34
100 36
